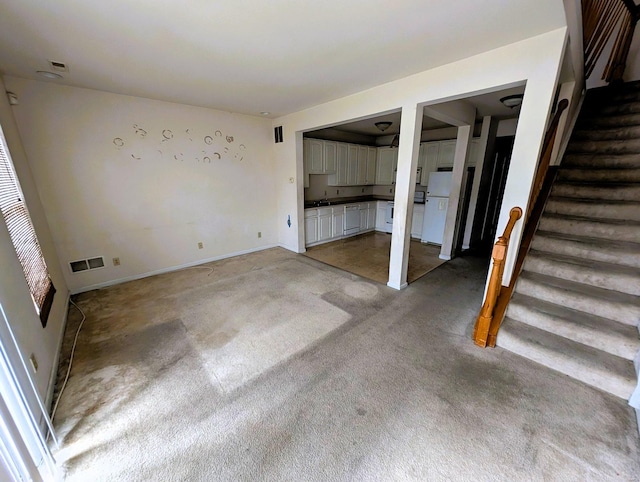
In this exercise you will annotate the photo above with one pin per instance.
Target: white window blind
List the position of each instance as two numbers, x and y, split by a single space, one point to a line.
23 235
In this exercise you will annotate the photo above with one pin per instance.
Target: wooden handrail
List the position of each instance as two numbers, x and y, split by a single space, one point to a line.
499 254
492 313
601 19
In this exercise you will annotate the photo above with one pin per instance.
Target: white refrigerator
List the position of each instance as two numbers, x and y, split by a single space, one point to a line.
435 209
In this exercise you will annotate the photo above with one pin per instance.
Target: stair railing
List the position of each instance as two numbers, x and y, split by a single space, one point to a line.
600 20
499 254
498 296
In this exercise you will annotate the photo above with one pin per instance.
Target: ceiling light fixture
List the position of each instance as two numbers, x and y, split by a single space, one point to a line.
48 75
383 126
265 113
512 101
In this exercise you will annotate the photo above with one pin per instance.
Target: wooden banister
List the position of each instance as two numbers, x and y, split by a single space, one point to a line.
499 254
601 20
498 296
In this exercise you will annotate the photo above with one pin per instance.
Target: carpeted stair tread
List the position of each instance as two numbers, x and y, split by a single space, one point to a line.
601 161
620 307
592 208
607 176
608 251
619 230
597 332
613 133
606 191
629 146
589 365
596 122
610 276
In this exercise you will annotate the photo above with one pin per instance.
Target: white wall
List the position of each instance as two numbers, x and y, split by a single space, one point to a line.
535 61
139 179
15 297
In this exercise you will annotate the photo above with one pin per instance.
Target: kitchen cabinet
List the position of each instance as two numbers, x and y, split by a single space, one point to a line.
372 157
352 165
364 217
446 154
314 155
381 216
361 177
330 157
429 152
371 221
386 166
473 152
417 220
338 222
325 224
310 226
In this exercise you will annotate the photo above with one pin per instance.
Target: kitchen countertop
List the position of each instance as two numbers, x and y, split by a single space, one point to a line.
347 200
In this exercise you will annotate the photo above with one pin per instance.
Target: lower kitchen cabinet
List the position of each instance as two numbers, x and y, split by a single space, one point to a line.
416 220
338 222
310 226
325 224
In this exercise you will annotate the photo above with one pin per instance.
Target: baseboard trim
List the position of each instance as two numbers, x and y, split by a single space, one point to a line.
147 274
54 370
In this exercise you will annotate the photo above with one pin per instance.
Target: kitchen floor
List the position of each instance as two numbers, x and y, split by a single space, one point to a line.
367 255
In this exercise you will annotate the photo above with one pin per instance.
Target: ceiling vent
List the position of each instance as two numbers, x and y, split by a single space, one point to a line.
58 66
86 264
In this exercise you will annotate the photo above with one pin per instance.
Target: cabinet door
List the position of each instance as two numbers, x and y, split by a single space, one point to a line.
364 217
371 213
430 161
316 156
338 222
416 220
381 216
324 227
446 153
361 176
352 166
387 158
372 155
473 152
311 230
342 164
330 156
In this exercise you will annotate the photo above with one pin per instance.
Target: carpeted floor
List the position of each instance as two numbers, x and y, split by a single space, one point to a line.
274 366
367 255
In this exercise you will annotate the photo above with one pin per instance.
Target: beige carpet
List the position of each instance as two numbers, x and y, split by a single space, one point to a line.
367 255
277 367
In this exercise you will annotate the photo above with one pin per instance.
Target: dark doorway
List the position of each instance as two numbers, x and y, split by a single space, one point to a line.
492 184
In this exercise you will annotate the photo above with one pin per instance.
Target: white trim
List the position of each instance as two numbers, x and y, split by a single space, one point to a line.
445 257
54 369
170 269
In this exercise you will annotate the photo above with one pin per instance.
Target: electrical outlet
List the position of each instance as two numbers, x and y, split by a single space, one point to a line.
200 245
34 362
337 191
362 189
259 234
116 261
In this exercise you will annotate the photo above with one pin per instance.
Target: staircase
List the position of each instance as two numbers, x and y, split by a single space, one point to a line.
576 304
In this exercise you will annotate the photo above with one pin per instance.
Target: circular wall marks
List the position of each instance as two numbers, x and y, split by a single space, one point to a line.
208 140
140 131
136 158
242 147
218 134
226 149
207 159
118 142
217 154
167 134
229 139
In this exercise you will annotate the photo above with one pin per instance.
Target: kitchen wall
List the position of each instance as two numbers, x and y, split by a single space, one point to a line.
319 189
15 297
145 181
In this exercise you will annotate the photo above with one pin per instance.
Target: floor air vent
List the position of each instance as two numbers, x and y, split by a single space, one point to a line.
86 264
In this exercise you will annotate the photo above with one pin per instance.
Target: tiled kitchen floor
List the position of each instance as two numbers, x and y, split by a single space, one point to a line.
367 255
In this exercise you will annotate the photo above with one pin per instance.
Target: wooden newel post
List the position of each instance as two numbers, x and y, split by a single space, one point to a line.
499 254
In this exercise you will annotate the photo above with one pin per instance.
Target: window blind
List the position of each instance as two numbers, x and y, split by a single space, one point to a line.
23 236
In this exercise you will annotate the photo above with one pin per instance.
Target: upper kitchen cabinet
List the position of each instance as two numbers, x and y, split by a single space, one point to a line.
352 165
372 158
446 154
361 178
386 165
429 154
319 156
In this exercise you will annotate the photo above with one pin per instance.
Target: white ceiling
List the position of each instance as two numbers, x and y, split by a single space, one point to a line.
250 56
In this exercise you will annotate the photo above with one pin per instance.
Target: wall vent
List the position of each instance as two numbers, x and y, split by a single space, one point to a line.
277 132
86 264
